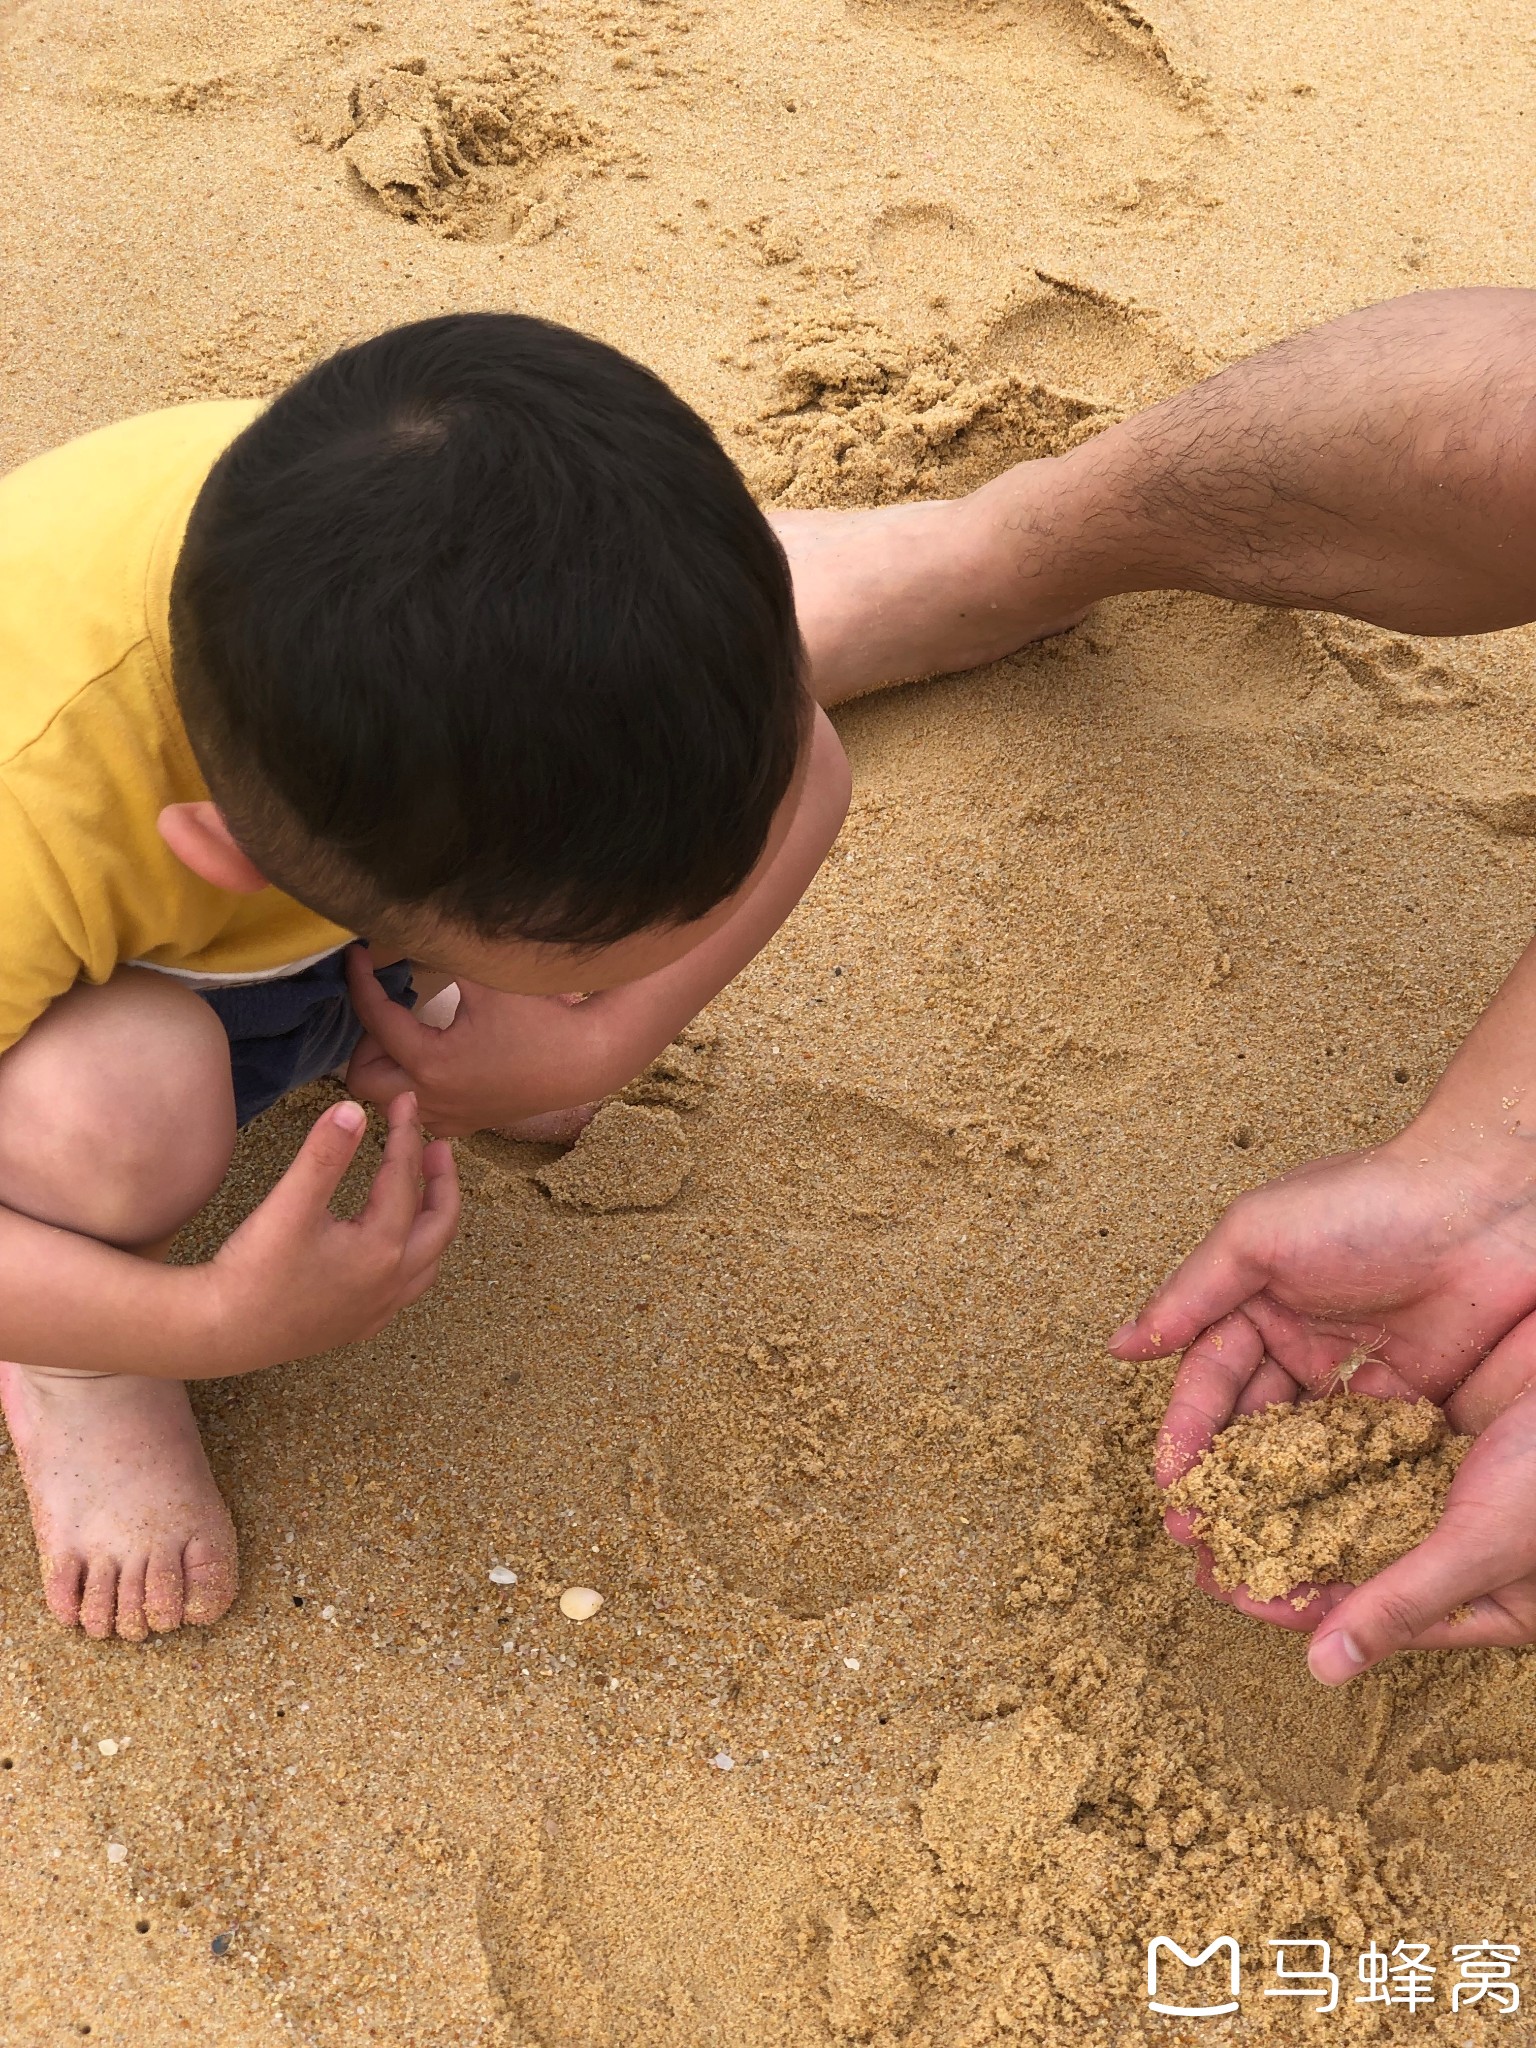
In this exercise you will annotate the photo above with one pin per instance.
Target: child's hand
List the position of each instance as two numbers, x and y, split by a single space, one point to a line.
502 1059
293 1280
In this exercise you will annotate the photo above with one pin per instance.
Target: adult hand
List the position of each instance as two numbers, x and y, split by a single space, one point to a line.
1417 1268
1407 1259
1473 1578
293 1279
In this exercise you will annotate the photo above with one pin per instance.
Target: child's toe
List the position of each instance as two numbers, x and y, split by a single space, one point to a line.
98 1602
208 1571
163 1589
131 1625
61 1587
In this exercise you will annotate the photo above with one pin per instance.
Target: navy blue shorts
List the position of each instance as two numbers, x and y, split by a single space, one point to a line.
286 1032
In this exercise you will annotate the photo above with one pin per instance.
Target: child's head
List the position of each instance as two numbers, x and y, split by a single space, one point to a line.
476 628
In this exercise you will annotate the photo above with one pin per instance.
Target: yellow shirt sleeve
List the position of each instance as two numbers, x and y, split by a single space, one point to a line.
42 939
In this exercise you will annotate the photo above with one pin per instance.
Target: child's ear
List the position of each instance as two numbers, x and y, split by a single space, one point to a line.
201 841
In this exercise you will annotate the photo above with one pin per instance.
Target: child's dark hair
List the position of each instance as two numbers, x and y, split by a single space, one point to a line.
478 617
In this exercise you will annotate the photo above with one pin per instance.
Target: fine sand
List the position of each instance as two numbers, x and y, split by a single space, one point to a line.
1117 928
1321 1493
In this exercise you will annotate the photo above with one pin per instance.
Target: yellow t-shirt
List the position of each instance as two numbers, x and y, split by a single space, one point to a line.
92 746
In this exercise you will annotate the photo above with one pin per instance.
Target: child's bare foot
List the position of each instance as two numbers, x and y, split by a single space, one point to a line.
901 591
131 1532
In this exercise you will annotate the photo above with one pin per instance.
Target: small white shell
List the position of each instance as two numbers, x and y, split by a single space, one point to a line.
580 1603
500 1575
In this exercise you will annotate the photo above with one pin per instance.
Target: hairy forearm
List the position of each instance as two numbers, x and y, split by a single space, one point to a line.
1383 465
73 1302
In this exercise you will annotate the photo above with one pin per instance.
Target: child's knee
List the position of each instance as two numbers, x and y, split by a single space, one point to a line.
117 1110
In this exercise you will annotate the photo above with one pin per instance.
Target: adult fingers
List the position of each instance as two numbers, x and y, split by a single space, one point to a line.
1505 1617
1214 1372
1217 1277
1270 1387
1455 1565
1504 1375
1299 1611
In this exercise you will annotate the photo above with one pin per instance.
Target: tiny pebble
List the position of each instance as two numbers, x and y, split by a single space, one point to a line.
580 1603
327 1614
500 1576
117 1852
220 1944
850 1663
722 1762
107 1746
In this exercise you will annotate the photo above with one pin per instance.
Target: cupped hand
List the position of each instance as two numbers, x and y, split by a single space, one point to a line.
294 1279
1395 1268
1472 1580
1405 1275
502 1059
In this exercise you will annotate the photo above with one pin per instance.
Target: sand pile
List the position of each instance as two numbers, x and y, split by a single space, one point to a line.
1116 929
1329 1490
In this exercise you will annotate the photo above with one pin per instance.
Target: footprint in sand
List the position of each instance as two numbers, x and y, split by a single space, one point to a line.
659 1920
1072 337
488 156
928 260
1398 673
1071 34
684 1911
862 418
776 1465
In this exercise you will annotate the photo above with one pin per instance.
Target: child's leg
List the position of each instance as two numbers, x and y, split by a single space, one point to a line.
1383 466
117 1121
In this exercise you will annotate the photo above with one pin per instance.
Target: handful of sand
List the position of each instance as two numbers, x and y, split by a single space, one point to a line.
1320 1491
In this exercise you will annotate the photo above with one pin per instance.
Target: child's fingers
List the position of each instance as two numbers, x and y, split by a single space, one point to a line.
373 1075
1215 1370
1217 1277
437 1217
391 1023
395 1196
321 1160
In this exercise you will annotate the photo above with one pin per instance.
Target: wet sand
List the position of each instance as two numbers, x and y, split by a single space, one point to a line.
1117 928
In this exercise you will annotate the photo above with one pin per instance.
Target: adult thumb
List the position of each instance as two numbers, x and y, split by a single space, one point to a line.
1389 1612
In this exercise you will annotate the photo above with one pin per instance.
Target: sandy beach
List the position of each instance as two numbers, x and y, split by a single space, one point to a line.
901 1722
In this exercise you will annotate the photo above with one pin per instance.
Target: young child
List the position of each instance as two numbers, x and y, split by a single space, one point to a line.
481 649
472 642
